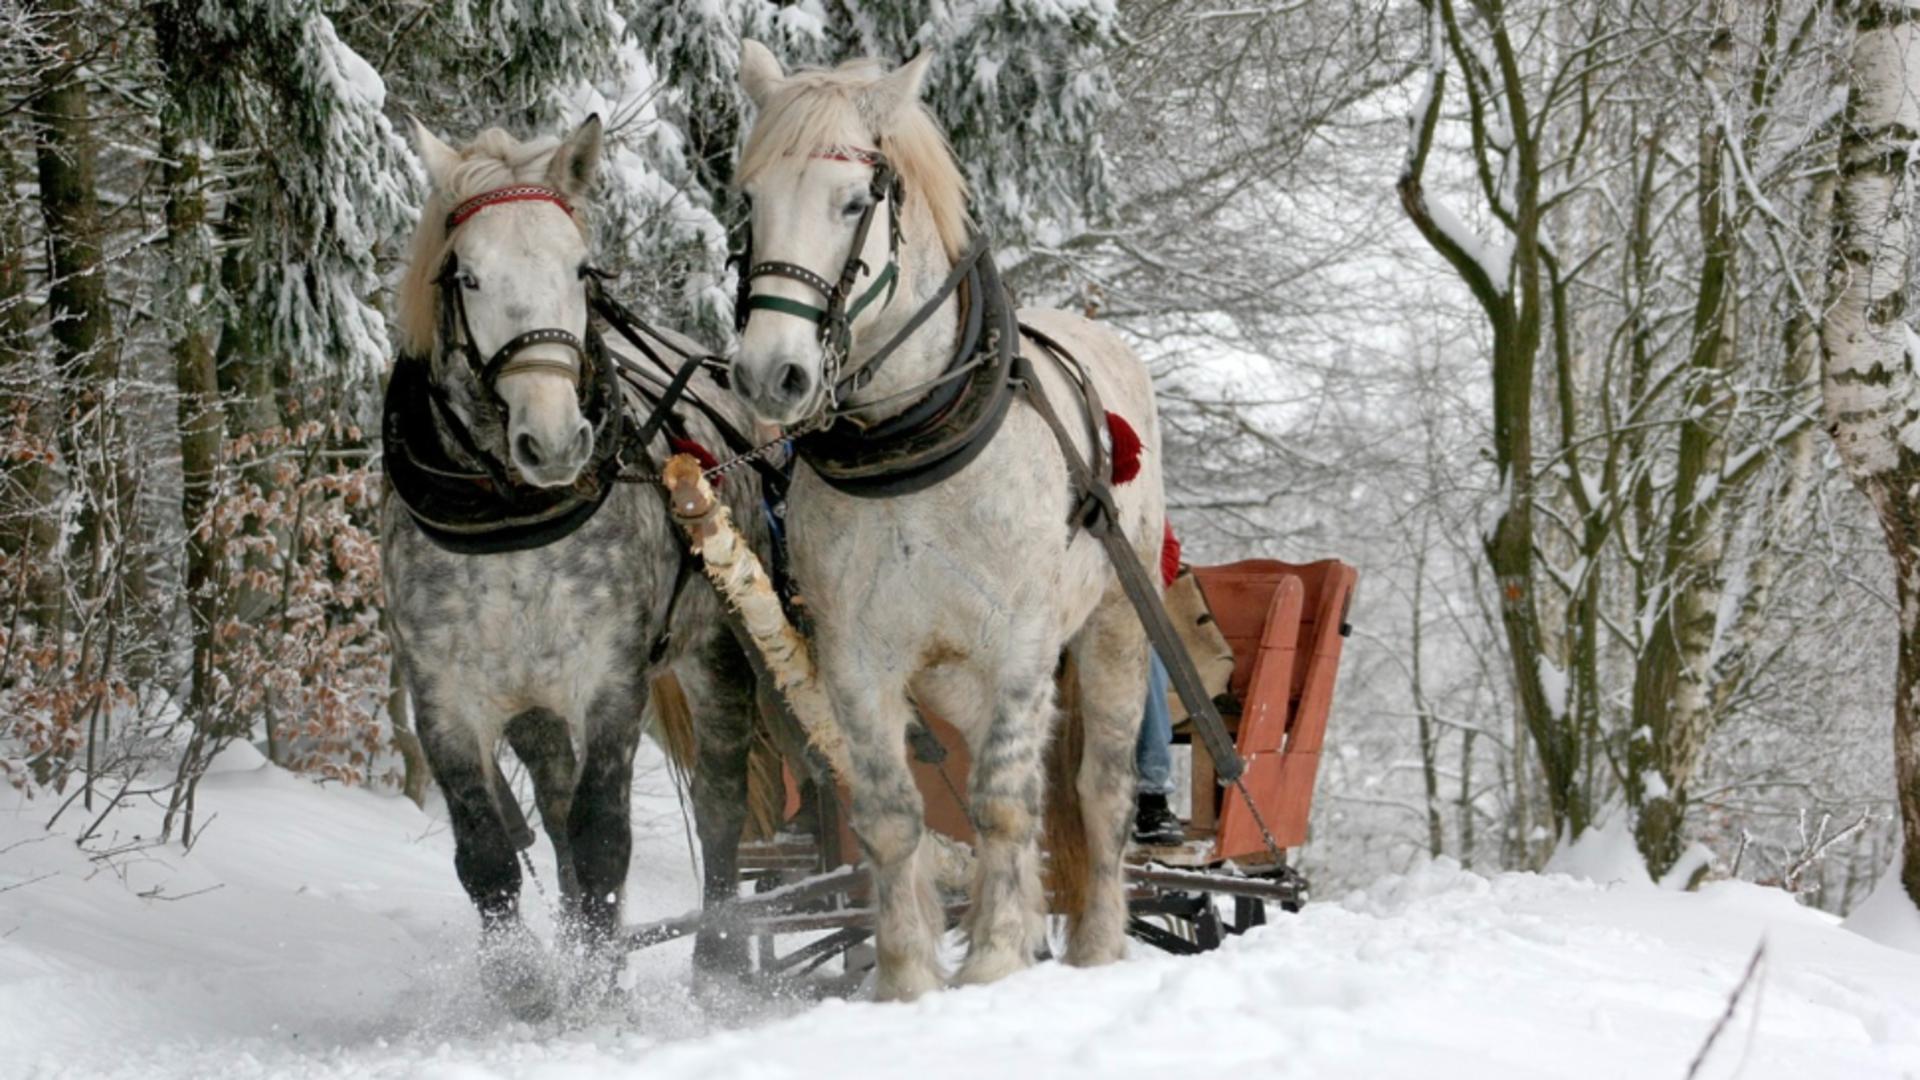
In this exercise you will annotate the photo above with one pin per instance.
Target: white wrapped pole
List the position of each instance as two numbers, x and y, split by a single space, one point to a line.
736 572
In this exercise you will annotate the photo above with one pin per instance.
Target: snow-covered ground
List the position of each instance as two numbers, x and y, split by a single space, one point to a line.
321 933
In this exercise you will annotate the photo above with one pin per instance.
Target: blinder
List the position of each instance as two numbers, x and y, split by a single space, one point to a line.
835 320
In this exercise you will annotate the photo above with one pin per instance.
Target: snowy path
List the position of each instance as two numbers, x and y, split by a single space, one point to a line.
336 946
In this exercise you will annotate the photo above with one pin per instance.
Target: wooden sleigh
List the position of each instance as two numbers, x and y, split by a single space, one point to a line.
1285 625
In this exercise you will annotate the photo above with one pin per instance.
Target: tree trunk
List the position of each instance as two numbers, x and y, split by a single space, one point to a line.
1513 307
85 361
1673 691
27 412
200 419
1871 390
1423 713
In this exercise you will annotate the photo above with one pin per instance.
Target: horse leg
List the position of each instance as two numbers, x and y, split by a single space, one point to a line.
720 690
600 823
888 819
1004 922
1110 654
542 743
511 962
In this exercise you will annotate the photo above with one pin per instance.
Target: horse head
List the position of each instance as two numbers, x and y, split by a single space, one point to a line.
849 180
496 294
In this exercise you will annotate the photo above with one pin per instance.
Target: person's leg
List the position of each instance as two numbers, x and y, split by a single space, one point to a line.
1154 821
1153 755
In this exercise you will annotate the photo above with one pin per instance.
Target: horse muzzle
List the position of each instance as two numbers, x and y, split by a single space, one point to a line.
780 391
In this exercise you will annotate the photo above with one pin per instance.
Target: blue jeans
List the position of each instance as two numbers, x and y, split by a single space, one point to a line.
1153 754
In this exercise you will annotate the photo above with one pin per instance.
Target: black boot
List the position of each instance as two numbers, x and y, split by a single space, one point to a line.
1153 822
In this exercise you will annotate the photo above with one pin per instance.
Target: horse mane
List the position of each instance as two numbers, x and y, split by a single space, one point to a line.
817 107
493 159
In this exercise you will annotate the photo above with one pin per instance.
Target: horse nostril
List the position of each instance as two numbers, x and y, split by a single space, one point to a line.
794 382
527 449
582 442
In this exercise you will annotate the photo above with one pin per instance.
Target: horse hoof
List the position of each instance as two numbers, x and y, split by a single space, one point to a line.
721 954
513 966
904 986
986 967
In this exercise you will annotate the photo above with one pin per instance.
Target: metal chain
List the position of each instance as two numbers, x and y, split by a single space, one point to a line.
1266 835
765 449
534 876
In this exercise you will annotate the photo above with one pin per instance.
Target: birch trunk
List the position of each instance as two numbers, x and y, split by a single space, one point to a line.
1673 700
1872 402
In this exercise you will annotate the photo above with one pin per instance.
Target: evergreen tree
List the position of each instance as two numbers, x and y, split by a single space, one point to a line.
1019 85
331 180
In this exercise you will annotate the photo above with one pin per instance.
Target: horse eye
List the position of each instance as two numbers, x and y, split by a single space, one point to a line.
468 281
856 206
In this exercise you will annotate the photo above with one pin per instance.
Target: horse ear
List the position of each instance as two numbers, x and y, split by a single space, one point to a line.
577 161
896 90
760 72
438 157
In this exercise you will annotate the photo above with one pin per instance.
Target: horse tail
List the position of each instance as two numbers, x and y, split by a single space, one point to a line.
766 789
1069 862
673 722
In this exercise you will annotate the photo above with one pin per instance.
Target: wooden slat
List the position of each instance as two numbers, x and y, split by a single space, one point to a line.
1264 710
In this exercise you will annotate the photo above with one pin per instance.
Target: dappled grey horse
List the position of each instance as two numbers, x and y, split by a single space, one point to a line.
531 595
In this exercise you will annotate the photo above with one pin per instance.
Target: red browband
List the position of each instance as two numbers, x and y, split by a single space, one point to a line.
515 193
850 153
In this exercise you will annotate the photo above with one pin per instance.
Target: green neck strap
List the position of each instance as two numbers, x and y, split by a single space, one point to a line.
888 280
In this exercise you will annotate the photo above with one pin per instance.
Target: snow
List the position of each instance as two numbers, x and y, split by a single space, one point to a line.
1605 854
1889 915
1494 258
334 943
1553 683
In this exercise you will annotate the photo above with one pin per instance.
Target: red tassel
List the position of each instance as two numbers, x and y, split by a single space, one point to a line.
1126 448
1169 555
699 453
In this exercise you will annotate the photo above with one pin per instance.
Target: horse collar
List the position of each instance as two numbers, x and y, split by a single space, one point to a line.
941 434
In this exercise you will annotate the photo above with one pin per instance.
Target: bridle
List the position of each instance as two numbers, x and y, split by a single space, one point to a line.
507 359
835 320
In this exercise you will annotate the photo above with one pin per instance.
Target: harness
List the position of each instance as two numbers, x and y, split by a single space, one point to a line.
469 501
835 320
963 408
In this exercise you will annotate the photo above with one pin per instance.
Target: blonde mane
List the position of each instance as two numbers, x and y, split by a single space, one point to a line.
815 108
493 159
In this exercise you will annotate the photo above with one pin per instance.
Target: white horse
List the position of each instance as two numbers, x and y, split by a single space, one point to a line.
960 596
